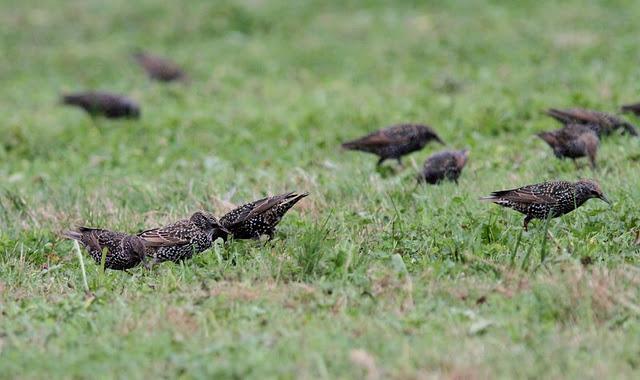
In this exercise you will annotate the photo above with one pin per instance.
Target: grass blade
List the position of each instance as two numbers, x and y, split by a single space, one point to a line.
84 272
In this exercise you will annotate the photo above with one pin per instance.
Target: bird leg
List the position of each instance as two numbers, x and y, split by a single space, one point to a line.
527 219
399 159
380 161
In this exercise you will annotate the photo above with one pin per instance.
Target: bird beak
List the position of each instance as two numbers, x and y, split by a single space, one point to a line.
605 199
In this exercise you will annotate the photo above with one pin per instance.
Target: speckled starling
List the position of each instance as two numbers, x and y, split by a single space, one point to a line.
445 165
260 217
181 240
106 104
395 141
573 141
159 68
601 122
122 251
548 199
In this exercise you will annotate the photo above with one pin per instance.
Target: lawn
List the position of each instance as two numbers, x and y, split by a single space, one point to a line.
371 276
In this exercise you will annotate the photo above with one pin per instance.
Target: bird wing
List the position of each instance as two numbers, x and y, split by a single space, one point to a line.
162 237
372 140
258 207
574 115
527 194
268 203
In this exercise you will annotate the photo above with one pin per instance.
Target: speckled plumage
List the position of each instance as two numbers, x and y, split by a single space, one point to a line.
97 103
181 240
547 199
260 217
395 141
445 165
602 123
573 141
159 68
123 251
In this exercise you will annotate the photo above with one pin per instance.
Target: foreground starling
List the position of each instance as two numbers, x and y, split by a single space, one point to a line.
548 199
181 240
573 141
602 123
259 217
445 165
395 141
105 104
632 108
123 251
159 68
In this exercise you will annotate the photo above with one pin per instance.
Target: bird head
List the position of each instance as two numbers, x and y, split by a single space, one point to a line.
461 158
133 110
426 134
207 222
591 189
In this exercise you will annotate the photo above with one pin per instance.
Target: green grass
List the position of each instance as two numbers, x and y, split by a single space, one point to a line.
370 276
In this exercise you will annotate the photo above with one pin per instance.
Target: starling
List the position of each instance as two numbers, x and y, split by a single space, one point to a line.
181 240
445 165
395 141
573 141
105 104
632 108
547 199
602 123
123 251
259 217
158 68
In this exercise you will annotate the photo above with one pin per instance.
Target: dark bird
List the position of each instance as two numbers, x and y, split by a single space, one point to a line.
122 251
548 199
602 123
159 68
181 240
395 141
106 104
260 217
445 165
637 242
573 141
631 108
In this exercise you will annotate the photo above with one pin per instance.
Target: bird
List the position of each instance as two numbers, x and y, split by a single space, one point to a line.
394 141
573 141
100 103
446 165
181 240
631 108
602 123
260 217
548 199
123 251
158 68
